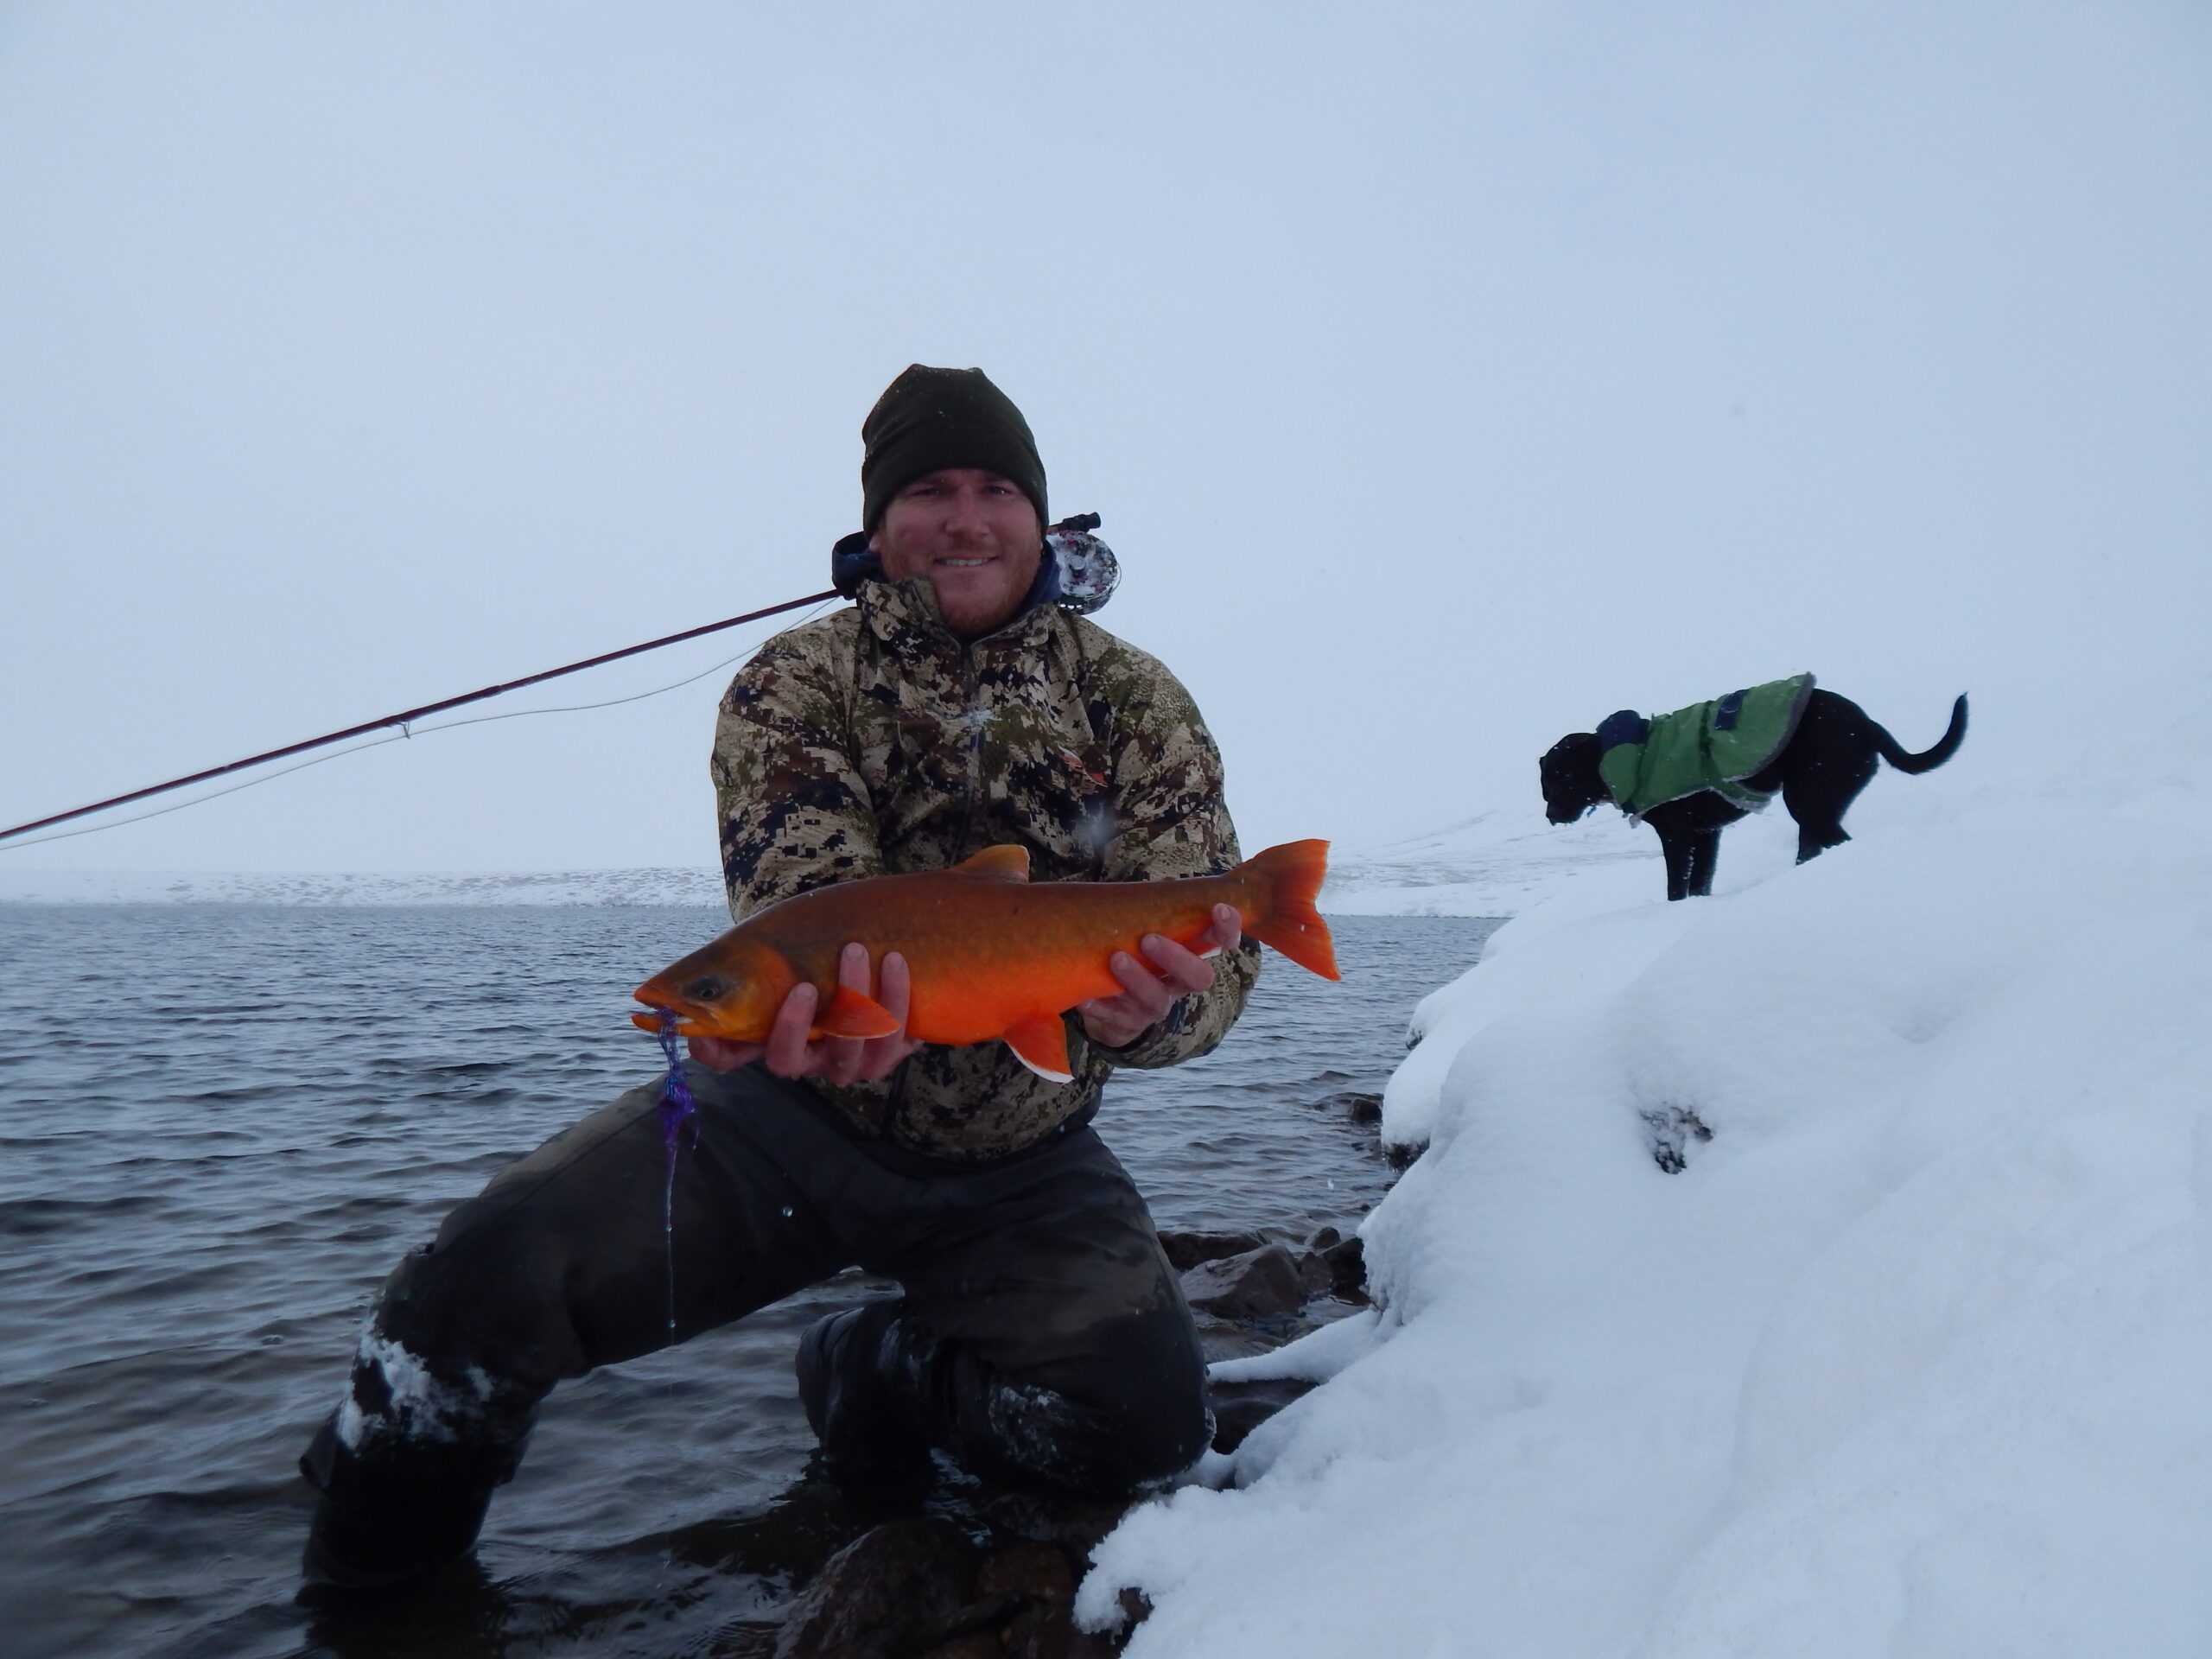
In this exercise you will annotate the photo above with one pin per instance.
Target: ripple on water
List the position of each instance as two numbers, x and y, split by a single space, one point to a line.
201 1195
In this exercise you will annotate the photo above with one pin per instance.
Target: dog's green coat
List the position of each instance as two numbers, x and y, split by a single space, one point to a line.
1705 747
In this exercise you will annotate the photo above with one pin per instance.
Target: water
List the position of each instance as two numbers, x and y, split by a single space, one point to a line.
221 1126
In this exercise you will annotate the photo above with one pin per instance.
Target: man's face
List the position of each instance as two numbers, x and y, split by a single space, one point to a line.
974 534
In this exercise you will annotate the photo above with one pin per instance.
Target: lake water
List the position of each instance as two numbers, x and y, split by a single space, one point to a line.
220 1127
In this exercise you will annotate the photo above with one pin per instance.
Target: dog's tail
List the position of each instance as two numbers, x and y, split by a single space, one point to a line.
1926 760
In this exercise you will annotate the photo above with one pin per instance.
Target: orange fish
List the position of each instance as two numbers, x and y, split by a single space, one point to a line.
990 955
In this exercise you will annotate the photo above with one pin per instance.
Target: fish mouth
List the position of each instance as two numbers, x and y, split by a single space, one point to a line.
656 1020
664 1003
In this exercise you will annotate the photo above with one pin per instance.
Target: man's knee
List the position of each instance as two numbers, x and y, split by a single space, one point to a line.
1129 1411
531 1278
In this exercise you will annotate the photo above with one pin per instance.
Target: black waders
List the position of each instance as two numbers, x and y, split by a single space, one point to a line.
1042 1339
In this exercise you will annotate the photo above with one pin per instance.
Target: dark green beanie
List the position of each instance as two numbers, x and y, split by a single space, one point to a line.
932 418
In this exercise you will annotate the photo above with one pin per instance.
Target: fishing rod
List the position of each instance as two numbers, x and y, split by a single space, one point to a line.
1084 573
407 717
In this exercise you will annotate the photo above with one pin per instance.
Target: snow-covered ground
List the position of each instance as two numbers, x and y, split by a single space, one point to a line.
1497 863
1494 864
1913 1358
642 886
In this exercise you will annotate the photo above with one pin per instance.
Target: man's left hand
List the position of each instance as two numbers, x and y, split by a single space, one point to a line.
1149 989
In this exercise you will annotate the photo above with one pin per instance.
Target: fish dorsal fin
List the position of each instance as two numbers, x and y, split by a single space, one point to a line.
1005 862
1042 1046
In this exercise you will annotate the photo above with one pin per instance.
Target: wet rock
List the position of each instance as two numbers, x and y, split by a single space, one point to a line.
1039 1587
976 1644
1313 1274
1359 1107
1240 1407
1258 1284
1346 1261
1036 1572
894 1592
1323 1239
1400 1154
1024 1595
1186 1249
1220 1339
1076 1524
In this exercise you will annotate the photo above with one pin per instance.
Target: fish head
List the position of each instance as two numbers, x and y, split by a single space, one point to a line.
730 988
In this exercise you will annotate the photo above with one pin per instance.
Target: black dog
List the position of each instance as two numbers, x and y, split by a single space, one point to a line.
1825 758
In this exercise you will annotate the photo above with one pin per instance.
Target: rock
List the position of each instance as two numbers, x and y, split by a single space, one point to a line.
1076 1524
1186 1249
1225 1339
1034 1571
894 1591
1359 1107
1240 1407
1323 1239
1039 1587
1260 1284
1314 1274
1346 1261
976 1644
1025 1593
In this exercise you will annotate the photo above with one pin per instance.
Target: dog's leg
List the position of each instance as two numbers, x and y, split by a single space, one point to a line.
1814 839
1690 834
1819 794
1704 856
1833 756
1677 846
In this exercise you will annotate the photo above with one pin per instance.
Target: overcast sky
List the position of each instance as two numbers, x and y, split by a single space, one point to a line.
1448 376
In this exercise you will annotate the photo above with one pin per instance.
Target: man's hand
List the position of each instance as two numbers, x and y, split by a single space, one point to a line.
834 1060
1117 1021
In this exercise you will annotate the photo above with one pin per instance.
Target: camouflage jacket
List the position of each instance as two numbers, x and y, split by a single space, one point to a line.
874 742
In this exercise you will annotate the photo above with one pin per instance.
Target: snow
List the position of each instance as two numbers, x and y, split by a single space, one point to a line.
558 887
1911 1358
1497 863
1493 864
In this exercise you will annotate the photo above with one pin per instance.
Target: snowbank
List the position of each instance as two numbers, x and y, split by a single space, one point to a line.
1913 1358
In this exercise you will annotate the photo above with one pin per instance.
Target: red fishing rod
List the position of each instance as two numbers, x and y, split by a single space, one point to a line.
408 716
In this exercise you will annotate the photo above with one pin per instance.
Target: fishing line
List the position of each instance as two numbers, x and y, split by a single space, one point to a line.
406 717
675 1106
1080 578
211 795
406 730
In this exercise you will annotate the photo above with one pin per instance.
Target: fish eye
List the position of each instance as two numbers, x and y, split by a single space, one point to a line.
707 988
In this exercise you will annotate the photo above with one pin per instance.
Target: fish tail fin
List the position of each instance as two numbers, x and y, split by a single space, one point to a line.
1285 880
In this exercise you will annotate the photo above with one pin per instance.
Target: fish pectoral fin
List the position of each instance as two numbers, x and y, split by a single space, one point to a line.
1004 862
851 1015
1042 1046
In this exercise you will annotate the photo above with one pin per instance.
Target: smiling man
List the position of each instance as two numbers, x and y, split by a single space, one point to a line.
1040 1338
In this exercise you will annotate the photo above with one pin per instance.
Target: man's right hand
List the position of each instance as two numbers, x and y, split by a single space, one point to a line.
834 1060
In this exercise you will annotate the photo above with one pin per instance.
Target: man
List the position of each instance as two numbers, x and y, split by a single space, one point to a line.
1042 1339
